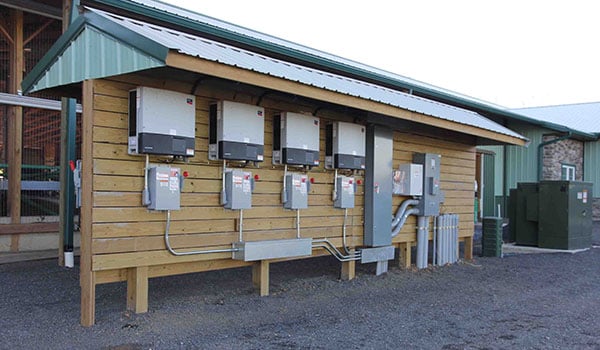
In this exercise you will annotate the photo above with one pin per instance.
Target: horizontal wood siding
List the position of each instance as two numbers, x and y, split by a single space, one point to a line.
125 234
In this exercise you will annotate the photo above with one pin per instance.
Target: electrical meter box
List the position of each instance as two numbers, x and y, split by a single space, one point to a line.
164 186
346 187
345 146
238 189
236 131
296 139
161 122
296 191
432 196
408 180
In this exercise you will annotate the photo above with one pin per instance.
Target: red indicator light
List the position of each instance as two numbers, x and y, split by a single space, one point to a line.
359 182
256 177
186 174
312 180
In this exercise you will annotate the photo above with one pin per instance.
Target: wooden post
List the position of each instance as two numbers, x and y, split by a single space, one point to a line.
468 248
260 277
15 126
348 271
87 276
137 289
404 258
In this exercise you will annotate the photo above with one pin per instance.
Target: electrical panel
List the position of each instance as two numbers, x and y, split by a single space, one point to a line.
164 186
161 122
408 180
296 139
345 146
296 191
236 131
429 205
345 190
239 185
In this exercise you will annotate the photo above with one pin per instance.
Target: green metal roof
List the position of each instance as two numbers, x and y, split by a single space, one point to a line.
88 51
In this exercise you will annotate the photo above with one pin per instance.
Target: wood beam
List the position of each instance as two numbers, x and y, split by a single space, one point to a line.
34 7
348 271
38 31
11 229
15 125
137 289
260 277
404 255
87 277
8 37
216 69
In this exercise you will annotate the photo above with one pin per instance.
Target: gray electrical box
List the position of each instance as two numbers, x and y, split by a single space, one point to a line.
238 189
346 187
161 122
296 139
296 191
164 186
345 146
236 131
429 205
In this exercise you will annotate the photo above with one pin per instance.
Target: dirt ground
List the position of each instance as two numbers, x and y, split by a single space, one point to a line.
537 301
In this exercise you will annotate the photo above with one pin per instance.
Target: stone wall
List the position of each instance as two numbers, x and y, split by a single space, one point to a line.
565 151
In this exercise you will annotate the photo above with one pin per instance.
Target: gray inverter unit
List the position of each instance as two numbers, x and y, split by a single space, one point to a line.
236 131
161 122
296 139
345 146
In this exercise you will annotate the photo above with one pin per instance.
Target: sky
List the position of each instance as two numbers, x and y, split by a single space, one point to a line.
514 53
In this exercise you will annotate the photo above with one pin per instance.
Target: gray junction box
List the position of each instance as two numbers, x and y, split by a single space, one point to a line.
296 191
296 139
345 146
238 189
164 186
236 131
161 122
429 205
346 187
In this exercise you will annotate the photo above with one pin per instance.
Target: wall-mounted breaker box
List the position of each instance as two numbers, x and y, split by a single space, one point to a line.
239 185
164 186
345 146
296 191
429 205
161 122
296 139
345 190
236 131
408 180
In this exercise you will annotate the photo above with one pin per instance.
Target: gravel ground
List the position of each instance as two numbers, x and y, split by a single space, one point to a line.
543 301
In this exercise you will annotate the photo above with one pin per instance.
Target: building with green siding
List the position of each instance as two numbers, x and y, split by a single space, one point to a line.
564 144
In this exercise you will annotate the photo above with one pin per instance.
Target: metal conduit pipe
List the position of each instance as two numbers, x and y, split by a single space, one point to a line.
174 252
455 239
327 245
436 226
402 209
396 229
344 232
422 241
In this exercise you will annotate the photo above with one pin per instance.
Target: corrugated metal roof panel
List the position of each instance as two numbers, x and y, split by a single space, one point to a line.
93 54
582 116
214 51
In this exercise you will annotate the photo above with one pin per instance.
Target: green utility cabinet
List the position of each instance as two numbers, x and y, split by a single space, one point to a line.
565 215
512 215
491 240
526 213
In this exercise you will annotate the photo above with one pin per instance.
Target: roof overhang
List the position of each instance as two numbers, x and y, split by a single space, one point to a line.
98 45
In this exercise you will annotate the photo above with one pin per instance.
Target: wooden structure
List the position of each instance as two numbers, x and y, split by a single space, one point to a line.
123 241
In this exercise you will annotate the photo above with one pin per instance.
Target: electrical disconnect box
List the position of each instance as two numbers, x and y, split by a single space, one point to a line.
161 122
432 196
345 146
164 186
345 190
295 139
236 131
296 191
239 185
408 180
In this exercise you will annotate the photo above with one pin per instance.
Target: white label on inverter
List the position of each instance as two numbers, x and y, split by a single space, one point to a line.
246 139
579 195
173 132
259 157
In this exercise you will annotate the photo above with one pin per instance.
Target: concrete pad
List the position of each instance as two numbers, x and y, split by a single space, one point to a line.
511 248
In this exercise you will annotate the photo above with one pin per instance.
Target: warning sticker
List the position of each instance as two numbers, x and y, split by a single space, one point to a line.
162 179
237 180
247 187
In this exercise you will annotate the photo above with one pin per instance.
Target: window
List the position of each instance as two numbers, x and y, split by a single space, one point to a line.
567 172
